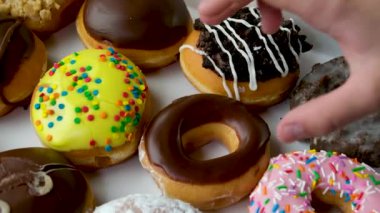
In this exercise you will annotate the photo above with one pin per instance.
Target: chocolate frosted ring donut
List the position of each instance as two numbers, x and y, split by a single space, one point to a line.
191 122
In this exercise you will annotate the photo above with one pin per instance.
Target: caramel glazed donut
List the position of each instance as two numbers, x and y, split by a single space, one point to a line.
41 180
186 125
149 32
360 139
236 59
23 60
292 179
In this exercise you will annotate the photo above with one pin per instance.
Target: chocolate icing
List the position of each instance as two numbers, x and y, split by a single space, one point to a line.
163 138
19 167
264 66
16 44
137 24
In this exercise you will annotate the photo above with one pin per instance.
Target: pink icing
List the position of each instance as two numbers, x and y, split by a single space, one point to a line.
287 185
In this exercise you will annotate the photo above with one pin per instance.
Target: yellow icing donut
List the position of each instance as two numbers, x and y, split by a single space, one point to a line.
91 100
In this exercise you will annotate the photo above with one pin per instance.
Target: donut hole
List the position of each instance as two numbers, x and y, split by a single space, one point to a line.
209 141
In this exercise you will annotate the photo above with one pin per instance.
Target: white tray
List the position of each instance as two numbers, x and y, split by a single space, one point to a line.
16 130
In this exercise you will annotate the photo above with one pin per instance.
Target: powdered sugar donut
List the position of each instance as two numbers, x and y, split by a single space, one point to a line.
335 179
146 203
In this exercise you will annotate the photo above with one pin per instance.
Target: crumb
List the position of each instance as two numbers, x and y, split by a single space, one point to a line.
36 10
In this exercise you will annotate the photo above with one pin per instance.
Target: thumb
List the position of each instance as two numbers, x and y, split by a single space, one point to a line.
215 11
359 96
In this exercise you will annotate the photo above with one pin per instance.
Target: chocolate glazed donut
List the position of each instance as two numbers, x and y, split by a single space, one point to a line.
191 122
16 44
137 24
164 138
41 180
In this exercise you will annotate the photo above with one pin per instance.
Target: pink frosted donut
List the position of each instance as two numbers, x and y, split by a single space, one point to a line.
292 178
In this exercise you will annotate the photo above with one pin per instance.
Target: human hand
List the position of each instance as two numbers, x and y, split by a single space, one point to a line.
355 26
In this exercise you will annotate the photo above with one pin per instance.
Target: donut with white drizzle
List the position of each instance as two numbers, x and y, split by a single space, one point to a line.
237 60
291 179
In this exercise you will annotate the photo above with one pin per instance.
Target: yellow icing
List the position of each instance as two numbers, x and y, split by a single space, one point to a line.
101 82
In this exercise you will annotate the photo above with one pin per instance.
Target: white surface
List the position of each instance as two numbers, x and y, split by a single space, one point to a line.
167 84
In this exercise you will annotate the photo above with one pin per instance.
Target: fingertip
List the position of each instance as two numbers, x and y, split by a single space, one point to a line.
210 12
271 18
290 132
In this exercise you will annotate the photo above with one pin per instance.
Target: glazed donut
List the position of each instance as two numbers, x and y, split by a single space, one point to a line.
187 124
145 203
44 17
23 61
237 60
92 106
42 180
360 139
148 32
292 179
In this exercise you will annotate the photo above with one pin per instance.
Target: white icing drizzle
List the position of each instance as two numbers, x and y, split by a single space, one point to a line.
248 55
4 207
286 68
269 50
290 44
253 12
217 69
294 28
233 71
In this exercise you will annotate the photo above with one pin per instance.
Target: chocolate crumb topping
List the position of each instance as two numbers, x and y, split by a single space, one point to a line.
260 45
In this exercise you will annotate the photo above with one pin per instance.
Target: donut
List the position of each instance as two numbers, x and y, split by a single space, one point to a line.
43 17
293 179
360 139
23 61
92 106
191 122
237 60
42 180
148 32
145 203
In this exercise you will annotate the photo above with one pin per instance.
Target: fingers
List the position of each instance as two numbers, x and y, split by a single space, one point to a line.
215 11
356 98
270 16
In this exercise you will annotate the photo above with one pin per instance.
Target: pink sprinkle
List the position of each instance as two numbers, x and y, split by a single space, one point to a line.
88 79
332 167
